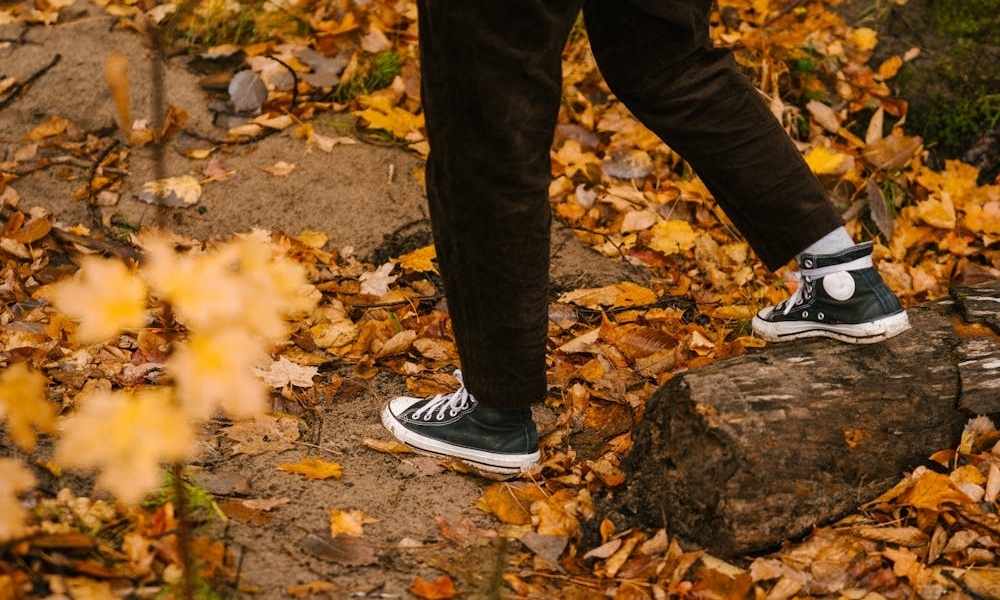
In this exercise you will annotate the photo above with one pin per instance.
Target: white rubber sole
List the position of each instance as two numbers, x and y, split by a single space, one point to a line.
501 464
861 333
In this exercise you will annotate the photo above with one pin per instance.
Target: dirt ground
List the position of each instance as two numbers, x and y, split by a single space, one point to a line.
359 194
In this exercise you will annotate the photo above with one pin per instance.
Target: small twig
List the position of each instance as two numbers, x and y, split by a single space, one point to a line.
295 81
20 86
239 142
239 569
318 447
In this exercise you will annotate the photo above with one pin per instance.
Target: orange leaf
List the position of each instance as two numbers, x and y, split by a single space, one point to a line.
441 588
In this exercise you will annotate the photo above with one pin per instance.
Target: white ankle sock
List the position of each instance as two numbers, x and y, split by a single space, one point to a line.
831 243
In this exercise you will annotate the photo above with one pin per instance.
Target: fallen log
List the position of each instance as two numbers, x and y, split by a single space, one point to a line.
746 453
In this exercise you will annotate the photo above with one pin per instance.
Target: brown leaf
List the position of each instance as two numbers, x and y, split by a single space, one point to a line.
33 230
880 212
441 588
902 536
346 551
548 547
892 152
312 588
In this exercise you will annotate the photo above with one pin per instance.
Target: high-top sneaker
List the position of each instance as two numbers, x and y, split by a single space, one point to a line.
840 296
455 425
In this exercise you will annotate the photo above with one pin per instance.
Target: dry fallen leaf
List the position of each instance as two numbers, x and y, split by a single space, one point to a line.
279 169
348 522
313 468
387 446
441 588
173 191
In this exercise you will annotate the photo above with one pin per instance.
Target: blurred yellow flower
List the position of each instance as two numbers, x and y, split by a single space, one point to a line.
14 478
203 289
126 435
105 297
214 370
23 403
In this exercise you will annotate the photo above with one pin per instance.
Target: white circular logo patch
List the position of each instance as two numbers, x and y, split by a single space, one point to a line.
840 286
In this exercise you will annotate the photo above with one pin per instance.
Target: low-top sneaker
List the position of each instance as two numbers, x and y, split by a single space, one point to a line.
493 440
840 296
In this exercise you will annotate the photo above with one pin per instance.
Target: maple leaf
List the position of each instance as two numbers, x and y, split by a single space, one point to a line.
824 161
313 468
215 370
283 372
420 260
380 114
126 435
671 237
23 403
105 297
348 522
172 191
14 478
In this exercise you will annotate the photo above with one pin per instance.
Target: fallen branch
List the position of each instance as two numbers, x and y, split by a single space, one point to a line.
20 86
751 451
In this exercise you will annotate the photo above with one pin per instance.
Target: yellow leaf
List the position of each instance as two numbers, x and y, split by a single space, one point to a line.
671 237
931 491
313 239
420 260
863 38
313 468
984 219
889 67
380 114
54 125
574 159
14 478
23 403
621 294
173 191
824 161
937 212
348 522
387 446
127 436
105 297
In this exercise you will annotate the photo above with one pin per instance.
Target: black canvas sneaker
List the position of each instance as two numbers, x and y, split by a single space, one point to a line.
840 296
455 425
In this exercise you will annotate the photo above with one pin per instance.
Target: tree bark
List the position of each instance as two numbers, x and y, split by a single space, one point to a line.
748 452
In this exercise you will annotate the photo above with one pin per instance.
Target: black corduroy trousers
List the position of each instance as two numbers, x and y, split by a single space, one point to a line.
491 87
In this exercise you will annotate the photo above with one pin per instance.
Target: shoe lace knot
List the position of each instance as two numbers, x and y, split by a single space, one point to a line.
446 404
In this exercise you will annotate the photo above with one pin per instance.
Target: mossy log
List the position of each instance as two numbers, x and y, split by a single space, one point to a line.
751 451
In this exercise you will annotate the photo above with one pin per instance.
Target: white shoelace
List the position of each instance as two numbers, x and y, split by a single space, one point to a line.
452 404
805 277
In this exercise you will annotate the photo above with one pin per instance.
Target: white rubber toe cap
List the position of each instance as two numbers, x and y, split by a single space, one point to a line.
399 404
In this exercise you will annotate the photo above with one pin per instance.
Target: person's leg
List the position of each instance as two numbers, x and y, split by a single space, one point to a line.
491 88
657 58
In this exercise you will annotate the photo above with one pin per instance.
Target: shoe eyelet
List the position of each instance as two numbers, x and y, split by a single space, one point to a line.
805 314
820 316
808 262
